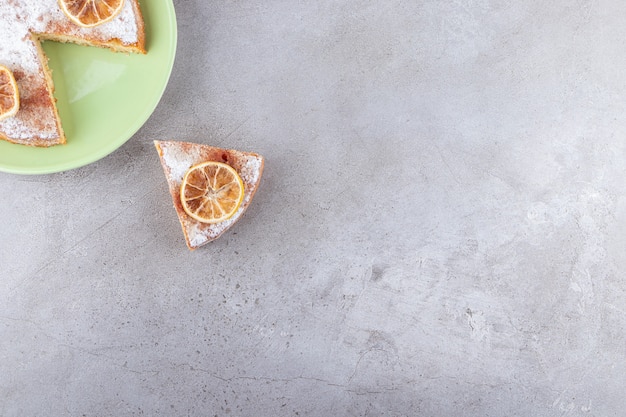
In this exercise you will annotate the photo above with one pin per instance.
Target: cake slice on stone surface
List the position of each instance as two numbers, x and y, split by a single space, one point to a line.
179 158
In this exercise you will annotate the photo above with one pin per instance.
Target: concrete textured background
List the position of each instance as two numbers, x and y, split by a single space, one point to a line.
440 230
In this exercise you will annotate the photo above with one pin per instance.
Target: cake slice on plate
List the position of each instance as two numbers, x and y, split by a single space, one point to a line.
24 24
211 188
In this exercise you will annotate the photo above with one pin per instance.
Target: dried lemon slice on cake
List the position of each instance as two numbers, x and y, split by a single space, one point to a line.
89 13
9 94
211 192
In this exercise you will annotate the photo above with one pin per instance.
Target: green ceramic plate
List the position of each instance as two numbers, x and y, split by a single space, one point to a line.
103 97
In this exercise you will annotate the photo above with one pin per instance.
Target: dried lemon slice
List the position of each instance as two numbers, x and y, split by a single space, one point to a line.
211 192
9 94
89 13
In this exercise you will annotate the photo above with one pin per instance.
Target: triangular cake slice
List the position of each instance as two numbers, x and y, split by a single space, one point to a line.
23 25
178 157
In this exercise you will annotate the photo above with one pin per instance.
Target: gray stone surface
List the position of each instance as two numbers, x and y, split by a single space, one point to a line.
440 230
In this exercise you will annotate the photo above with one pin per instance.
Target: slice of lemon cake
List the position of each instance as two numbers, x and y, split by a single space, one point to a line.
115 24
211 187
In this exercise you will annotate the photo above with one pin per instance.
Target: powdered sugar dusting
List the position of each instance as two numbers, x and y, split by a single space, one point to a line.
41 16
36 118
251 170
179 161
35 121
